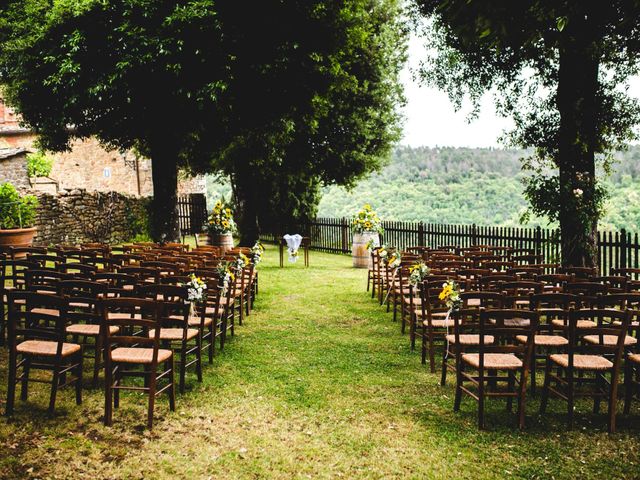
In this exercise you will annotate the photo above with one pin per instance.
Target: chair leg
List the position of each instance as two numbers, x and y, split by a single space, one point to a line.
79 379
26 369
628 387
600 383
171 391
55 381
108 396
152 396
545 388
424 345
11 387
199 357
443 375
613 402
412 331
570 399
510 386
96 361
481 402
432 357
183 367
459 380
117 378
212 339
522 400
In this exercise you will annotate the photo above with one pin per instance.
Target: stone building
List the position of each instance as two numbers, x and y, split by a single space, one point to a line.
87 166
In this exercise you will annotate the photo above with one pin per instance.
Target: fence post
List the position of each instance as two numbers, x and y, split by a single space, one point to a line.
345 235
420 234
538 245
474 235
623 249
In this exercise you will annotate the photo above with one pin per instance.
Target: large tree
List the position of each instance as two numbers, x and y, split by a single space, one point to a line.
134 74
207 85
343 76
559 69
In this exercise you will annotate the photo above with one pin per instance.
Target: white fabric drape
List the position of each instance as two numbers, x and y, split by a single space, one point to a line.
293 244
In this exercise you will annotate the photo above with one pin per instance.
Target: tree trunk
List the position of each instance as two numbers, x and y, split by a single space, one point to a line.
164 206
577 101
246 208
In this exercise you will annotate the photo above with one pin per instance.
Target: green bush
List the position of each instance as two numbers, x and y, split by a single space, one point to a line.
16 211
39 164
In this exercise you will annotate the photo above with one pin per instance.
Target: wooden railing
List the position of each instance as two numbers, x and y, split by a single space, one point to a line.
615 249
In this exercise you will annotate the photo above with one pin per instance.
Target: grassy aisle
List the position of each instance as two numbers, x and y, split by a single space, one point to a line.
318 383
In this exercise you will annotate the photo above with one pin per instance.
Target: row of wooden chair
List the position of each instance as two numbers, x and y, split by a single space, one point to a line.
135 316
555 300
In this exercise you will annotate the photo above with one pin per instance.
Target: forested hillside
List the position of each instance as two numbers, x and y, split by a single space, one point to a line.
471 185
465 185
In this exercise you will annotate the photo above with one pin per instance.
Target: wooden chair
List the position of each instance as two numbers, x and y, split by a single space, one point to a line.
432 316
20 253
44 281
37 342
176 331
81 270
83 318
126 350
118 284
498 351
467 324
593 350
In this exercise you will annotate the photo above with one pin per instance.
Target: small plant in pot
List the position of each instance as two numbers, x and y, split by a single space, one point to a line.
17 218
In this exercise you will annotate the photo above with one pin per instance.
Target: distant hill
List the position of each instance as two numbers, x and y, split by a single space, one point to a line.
470 185
465 185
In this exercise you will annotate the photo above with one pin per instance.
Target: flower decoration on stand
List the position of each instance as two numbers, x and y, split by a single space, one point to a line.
417 273
293 254
221 219
196 293
367 221
450 295
241 262
256 253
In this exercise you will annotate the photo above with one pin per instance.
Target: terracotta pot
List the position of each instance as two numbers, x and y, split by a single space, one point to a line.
362 256
16 237
224 241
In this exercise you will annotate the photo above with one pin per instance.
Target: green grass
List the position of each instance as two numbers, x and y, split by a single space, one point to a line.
319 383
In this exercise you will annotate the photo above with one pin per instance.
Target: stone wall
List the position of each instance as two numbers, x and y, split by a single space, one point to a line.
78 216
14 169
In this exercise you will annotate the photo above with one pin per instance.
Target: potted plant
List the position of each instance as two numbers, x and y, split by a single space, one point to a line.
17 218
366 227
221 226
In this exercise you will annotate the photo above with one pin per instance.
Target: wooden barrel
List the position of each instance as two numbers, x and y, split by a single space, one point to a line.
362 256
224 241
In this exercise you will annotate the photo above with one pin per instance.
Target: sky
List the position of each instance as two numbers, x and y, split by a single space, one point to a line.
430 119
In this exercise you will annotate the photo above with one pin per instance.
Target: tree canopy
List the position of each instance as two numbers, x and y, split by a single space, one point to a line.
559 69
281 96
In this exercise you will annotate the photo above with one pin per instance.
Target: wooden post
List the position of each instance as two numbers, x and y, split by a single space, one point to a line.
623 249
421 234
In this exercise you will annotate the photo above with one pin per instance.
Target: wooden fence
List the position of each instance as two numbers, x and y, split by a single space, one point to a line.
615 249
192 213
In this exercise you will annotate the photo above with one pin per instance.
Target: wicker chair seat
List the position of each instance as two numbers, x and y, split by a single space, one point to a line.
89 329
582 362
581 323
46 348
138 355
174 333
609 340
469 339
545 340
496 361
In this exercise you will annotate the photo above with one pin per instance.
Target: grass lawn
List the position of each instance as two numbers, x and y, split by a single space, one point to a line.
318 383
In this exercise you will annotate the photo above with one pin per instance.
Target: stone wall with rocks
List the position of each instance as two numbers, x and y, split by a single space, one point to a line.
78 216
14 169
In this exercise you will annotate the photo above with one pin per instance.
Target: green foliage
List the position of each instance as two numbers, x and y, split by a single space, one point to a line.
561 71
39 164
16 211
466 185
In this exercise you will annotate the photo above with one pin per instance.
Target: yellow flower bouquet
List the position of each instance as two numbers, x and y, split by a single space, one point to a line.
366 220
221 219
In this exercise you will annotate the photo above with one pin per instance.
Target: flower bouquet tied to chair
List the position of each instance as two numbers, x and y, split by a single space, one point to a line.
367 228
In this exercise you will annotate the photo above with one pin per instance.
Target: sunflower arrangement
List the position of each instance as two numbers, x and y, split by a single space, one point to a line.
417 273
221 219
450 295
366 221
226 276
393 260
196 289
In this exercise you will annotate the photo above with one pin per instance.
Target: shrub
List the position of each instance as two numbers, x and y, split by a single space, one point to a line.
39 164
16 211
